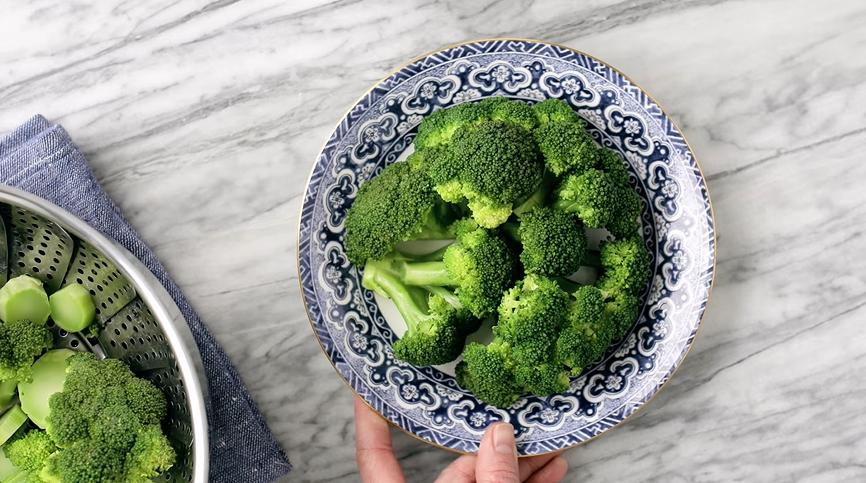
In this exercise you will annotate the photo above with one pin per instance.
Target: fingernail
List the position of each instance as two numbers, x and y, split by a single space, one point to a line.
503 439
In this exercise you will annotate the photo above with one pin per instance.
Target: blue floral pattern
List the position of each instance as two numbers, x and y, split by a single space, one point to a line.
677 226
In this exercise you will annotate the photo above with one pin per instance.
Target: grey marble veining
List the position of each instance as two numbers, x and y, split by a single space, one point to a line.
202 120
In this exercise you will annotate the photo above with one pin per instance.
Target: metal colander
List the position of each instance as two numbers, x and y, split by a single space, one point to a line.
139 323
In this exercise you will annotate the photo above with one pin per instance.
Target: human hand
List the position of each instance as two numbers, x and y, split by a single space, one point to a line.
496 461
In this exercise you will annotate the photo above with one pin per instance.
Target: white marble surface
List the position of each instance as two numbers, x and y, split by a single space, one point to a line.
203 119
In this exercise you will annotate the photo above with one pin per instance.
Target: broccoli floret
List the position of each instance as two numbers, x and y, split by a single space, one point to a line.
493 166
29 451
554 244
592 196
439 127
626 223
553 110
479 266
105 425
487 371
544 379
530 318
432 336
585 337
626 267
150 456
566 147
21 341
515 112
620 313
611 163
87 461
397 205
534 308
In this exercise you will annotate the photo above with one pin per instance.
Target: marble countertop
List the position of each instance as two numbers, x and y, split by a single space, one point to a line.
203 118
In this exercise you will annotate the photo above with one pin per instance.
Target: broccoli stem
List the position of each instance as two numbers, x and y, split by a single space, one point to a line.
538 197
24 298
10 422
566 206
72 308
49 374
446 294
19 477
411 302
426 273
8 389
434 256
8 471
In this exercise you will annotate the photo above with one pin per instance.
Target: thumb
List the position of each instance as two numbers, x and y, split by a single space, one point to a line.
497 456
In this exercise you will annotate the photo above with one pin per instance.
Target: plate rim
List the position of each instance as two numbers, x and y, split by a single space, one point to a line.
540 42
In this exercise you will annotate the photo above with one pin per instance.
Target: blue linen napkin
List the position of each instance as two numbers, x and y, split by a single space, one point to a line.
41 158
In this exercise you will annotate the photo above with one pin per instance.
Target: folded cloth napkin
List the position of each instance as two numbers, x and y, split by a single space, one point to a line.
41 158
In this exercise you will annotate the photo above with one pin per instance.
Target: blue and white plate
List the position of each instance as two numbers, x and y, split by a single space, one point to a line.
677 226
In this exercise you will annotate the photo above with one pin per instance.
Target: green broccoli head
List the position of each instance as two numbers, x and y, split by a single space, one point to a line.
150 456
515 112
397 205
611 163
439 127
486 371
87 461
30 450
534 308
482 267
146 401
626 267
621 313
553 110
543 380
566 147
498 164
98 420
21 341
432 335
585 337
533 352
626 224
592 196
554 244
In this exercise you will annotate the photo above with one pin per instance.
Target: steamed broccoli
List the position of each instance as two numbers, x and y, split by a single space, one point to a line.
438 128
487 371
397 205
585 337
21 341
103 426
28 451
433 334
530 317
479 266
592 196
566 147
536 172
626 267
493 166
610 162
515 112
554 244
554 110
